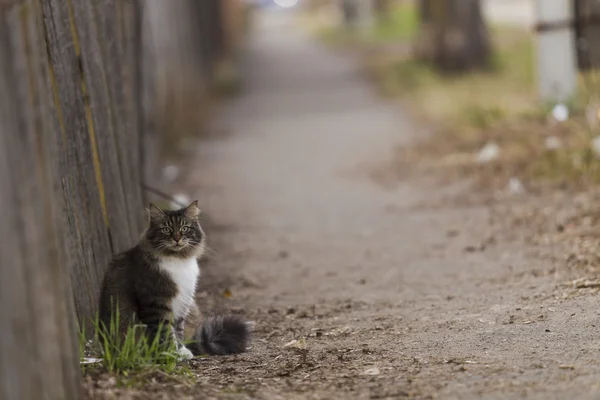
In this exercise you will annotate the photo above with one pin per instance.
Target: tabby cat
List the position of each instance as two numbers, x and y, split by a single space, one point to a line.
154 284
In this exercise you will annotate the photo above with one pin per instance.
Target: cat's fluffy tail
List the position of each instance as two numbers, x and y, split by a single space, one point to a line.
221 335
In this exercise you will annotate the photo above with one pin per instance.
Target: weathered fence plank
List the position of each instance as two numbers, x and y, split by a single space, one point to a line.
47 128
179 95
131 144
72 159
99 168
80 171
233 25
38 351
97 32
15 332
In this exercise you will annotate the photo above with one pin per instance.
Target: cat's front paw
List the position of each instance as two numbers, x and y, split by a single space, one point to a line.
184 353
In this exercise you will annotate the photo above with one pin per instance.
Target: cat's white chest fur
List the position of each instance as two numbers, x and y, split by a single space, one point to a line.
185 275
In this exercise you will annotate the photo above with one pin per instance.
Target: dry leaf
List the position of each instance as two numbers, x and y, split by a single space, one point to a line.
372 371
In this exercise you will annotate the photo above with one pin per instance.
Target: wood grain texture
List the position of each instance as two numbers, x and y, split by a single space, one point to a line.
184 38
99 168
72 162
71 79
38 344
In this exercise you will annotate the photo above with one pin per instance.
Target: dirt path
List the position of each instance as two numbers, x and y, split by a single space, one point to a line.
378 283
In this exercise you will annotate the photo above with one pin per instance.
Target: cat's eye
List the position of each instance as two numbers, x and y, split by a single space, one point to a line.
166 230
184 229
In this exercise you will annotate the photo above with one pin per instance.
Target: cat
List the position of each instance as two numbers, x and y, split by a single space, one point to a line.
154 284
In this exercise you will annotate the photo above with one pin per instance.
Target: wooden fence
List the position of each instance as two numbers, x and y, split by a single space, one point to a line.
73 140
70 184
179 69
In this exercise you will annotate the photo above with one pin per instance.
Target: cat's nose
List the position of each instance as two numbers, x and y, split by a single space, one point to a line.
177 237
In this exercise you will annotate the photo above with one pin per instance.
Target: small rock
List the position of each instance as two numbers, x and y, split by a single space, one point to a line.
283 254
488 153
372 371
339 331
560 112
297 344
318 331
298 347
515 186
452 233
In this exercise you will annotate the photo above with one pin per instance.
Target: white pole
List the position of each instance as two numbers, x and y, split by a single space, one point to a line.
557 64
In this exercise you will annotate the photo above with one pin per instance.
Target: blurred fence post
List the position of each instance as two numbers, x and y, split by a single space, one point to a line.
556 59
233 25
184 42
176 86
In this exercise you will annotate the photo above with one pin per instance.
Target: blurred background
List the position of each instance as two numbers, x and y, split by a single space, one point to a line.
101 100
515 75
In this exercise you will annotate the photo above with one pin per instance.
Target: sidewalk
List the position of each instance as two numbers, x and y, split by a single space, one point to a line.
376 279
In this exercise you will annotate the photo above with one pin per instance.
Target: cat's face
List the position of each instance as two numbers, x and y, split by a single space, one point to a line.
175 233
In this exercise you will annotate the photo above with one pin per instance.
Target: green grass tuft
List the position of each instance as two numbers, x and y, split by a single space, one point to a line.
129 353
401 24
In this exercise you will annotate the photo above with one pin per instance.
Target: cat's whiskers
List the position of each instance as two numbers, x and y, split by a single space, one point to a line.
208 249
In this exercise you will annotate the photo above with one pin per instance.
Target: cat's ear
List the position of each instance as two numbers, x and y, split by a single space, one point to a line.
192 211
155 212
